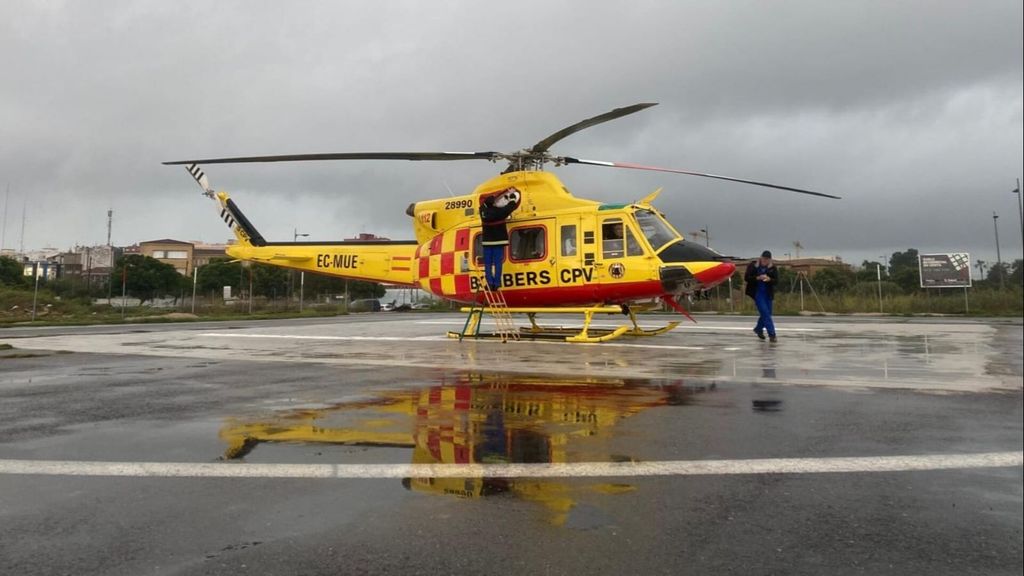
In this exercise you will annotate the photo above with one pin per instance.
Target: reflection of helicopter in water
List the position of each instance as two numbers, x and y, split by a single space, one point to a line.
480 420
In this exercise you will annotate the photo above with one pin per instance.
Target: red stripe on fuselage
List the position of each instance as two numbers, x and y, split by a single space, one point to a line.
573 295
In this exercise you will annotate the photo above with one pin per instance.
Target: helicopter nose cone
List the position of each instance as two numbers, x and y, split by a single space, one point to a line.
711 273
689 266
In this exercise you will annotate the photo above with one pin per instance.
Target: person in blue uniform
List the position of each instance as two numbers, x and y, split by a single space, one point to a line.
494 213
761 277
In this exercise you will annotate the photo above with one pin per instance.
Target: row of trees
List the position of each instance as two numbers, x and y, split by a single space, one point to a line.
146 278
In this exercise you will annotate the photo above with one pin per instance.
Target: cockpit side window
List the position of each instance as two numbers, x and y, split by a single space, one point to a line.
657 232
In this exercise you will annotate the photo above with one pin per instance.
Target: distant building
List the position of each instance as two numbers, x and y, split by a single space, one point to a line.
94 264
44 263
810 266
44 269
367 237
184 256
202 253
174 252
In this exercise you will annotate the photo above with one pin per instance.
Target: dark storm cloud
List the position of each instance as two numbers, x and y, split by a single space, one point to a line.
912 111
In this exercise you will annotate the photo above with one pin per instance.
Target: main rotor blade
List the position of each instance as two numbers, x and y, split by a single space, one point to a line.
546 143
568 160
348 156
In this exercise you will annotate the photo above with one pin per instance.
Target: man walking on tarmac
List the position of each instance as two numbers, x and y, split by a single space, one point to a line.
761 278
494 212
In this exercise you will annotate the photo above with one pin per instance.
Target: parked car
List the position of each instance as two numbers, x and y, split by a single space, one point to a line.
365 305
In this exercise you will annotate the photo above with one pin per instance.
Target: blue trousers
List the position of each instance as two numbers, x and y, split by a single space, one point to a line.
494 258
764 310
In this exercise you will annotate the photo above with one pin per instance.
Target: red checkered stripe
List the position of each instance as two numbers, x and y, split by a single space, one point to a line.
442 265
442 424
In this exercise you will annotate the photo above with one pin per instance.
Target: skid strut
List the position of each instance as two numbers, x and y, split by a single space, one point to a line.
507 330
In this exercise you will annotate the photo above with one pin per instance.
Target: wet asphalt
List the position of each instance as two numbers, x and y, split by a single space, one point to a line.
222 403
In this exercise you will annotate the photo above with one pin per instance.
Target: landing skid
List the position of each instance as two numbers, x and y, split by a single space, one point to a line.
585 334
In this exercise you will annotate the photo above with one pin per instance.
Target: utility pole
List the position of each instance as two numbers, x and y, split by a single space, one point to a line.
35 293
250 289
999 257
195 280
124 288
3 233
302 274
110 249
878 271
1020 213
21 244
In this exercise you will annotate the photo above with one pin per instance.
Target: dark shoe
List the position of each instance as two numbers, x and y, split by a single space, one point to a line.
759 334
773 339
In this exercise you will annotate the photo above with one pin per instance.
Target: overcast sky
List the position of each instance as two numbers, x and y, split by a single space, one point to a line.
912 111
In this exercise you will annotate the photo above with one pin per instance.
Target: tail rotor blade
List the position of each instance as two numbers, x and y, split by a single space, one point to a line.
200 177
569 160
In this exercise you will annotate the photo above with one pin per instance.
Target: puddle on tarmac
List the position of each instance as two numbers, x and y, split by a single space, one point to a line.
480 419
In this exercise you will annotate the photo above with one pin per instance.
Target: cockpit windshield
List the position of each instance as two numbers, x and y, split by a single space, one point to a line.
656 230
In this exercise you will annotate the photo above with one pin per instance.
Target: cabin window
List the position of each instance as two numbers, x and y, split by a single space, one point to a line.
611 239
527 244
568 238
617 240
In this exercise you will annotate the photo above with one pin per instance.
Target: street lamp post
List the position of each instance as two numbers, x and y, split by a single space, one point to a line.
195 279
302 273
35 293
707 236
999 257
878 271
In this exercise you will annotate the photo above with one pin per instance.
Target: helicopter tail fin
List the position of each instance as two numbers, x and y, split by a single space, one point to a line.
230 213
237 222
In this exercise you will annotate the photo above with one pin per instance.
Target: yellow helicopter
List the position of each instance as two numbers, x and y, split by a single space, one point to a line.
565 254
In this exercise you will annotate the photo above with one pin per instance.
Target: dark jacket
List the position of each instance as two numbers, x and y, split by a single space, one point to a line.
493 219
751 279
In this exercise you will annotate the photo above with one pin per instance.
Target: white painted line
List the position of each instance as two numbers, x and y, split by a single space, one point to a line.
302 337
566 470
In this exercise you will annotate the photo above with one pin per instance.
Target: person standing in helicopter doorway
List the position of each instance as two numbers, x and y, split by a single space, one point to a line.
494 213
761 278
